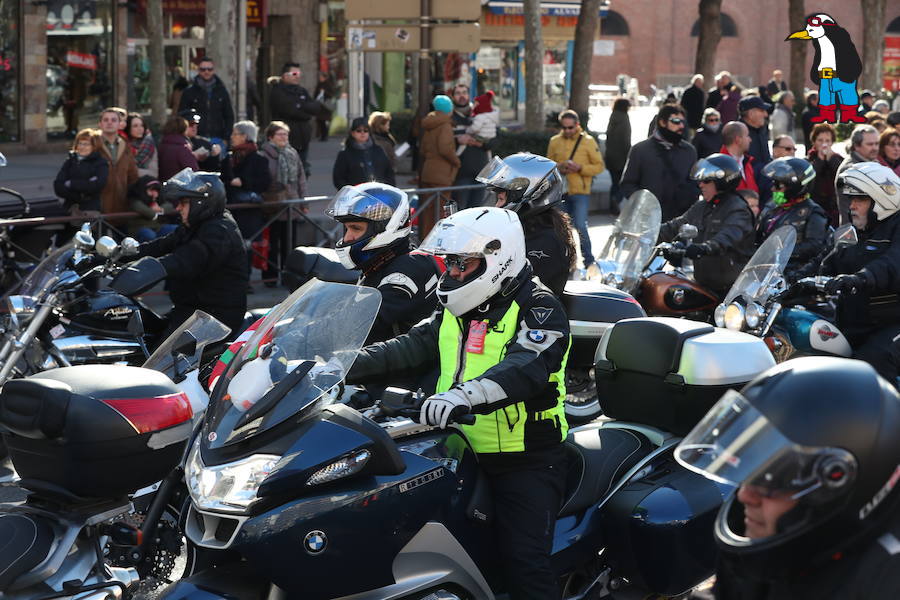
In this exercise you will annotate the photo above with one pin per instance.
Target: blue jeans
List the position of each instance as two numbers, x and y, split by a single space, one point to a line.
829 89
145 234
467 198
577 207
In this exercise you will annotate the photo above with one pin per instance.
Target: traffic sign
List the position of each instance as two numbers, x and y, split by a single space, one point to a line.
456 37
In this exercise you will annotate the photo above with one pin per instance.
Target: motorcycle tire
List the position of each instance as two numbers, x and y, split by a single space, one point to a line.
582 404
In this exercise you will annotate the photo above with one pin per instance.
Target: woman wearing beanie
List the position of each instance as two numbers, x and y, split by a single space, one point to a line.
361 160
439 161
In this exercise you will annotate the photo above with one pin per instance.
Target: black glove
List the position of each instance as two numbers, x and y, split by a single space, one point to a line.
846 283
696 250
673 252
800 289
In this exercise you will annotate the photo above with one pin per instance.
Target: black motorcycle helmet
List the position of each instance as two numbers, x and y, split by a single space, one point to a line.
723 169
206 191
532 183
821 431
794 175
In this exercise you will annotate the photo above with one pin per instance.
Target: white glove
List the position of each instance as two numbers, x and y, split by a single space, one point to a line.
436 410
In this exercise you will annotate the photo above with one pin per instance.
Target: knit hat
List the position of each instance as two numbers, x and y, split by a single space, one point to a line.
483 103
442 103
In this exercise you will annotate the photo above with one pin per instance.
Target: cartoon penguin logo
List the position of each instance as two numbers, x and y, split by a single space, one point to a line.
836 69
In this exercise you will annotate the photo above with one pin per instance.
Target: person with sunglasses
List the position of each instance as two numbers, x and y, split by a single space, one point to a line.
361 160
783 145
209 97
811 452
708 139
292 104
501 340
662 164
724 222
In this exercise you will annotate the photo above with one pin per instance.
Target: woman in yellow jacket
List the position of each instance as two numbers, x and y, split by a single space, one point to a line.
577 157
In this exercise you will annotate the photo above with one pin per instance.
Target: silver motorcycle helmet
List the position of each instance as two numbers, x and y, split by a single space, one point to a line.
875 181
532 183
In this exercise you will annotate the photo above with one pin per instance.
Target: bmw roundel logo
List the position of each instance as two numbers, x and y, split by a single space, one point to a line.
315 541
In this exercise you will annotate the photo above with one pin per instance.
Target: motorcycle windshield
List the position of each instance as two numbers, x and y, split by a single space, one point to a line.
633 238
292 364
765 268
204 328
39 278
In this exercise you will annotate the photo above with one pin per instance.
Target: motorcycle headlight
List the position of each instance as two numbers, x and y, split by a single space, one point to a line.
754 314
719 315
734 316
349 465
230 487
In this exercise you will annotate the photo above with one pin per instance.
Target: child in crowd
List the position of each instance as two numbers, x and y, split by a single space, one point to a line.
485 120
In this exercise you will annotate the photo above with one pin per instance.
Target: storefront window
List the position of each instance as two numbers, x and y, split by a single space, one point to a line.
496 68
9 70
79 64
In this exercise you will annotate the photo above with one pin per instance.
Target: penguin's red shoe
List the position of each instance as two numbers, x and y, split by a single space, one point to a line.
849 114
827 114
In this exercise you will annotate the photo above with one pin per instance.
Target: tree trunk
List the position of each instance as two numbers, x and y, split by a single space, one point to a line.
221 42
798 75
872 44
582 54
534 67
158 94
708 39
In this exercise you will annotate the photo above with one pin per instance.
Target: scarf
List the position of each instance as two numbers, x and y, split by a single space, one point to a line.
364 146
239 152
142 150
288 168
206 85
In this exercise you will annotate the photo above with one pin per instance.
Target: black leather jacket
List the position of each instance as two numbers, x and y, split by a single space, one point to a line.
726 226
810 222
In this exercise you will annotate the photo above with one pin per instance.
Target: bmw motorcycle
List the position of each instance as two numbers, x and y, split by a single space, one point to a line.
303 496
98 449
762 303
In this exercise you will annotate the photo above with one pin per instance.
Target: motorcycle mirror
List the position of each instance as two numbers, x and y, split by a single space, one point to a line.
688 231
130 247
845 236
106 246
136 324
2 160
84 241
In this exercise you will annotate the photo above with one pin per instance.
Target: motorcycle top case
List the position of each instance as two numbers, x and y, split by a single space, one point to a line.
592 308
667 372
94 431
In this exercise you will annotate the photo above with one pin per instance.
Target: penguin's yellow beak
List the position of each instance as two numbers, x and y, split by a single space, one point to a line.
799 35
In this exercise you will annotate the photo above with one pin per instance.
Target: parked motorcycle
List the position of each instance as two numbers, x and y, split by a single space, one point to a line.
83 439
286 482
762 303
62 317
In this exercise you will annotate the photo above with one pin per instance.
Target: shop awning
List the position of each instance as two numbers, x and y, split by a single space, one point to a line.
559 8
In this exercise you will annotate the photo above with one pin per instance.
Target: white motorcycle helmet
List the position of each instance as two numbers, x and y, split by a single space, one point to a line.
875 181
383 207
493 234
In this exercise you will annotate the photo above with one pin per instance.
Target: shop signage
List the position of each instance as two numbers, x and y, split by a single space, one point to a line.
892 62
456 37
183 7
257 10
80 60
5 63
562 8
458 10
257 13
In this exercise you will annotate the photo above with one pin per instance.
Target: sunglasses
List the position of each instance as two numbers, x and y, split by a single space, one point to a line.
816 22
360 131
207 69
788 148
455 261
676 120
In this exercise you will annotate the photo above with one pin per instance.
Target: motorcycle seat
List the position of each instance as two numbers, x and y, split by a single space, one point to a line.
598 458
25 541
306 262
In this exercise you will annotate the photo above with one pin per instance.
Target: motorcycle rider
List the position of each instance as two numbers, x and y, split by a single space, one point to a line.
724 223
868 273
376 222
791 205
204 259
501 341
531 186
812 446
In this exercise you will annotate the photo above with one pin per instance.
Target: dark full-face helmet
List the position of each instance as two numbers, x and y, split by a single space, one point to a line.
819 432
531 182
793 175
205 190
721 169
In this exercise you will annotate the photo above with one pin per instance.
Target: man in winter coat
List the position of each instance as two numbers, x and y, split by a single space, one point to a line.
693 100
122 168
291 103
476 153
205 259
753 114
209 97
662 164
577 157
708 139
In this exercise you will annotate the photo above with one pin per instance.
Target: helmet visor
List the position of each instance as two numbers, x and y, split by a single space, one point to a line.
353 202
782 171
706 170
516 173
736 444
448 238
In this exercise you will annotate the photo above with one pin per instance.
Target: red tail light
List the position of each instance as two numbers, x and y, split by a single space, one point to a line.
153 414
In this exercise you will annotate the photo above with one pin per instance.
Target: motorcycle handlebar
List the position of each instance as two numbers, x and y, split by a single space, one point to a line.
397 402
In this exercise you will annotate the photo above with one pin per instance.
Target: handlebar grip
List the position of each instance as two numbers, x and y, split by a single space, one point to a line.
462 416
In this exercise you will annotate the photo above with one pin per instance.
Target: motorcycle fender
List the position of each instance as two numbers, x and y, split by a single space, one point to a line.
225 582
825 337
